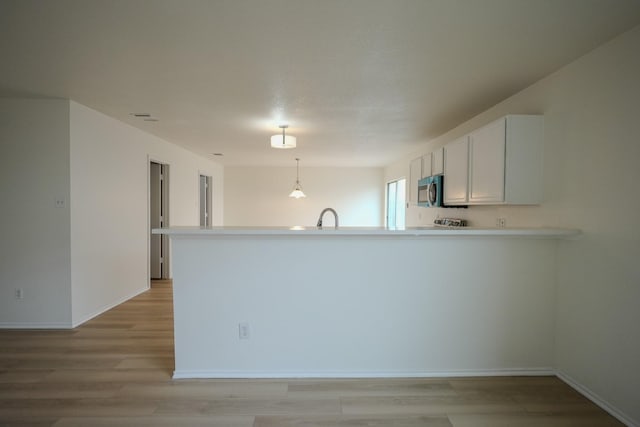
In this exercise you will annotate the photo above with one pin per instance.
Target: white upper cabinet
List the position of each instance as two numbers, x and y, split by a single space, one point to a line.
426 165
415 174
456 155
437 162
498 164
505 161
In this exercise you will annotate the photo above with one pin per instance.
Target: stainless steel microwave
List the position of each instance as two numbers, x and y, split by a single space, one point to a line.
430 191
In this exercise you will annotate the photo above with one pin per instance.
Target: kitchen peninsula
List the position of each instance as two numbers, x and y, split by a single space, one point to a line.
363 302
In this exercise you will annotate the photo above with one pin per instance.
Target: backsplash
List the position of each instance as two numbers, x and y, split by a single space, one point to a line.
485 216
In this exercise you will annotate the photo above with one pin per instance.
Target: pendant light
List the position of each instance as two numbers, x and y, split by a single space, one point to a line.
283 141
297 190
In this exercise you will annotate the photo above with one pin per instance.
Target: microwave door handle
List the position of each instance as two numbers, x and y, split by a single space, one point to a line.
433 194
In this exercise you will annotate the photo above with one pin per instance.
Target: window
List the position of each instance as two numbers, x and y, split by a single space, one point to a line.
396 191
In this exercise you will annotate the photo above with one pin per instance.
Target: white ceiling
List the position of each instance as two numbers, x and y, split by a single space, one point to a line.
360 82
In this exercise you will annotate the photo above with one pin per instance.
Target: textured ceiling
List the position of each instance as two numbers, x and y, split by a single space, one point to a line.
360 82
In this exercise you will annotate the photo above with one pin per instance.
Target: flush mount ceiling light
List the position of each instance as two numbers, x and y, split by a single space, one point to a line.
297 190
283 141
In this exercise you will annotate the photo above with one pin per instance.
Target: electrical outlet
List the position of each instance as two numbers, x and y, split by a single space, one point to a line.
19 293
243 331
501 222
59 202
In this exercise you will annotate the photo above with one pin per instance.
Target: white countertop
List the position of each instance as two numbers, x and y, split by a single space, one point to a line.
371 231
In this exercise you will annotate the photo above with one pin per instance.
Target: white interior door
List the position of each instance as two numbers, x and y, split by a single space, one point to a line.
158 218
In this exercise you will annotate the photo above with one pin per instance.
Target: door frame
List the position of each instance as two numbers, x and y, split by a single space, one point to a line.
209 194
386 200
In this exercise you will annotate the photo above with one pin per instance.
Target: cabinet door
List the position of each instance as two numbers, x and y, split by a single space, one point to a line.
523 164
426 165
415 174
487 163
456 171
437 162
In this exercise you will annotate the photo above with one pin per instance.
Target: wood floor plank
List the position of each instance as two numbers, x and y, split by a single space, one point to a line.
208 390
26 376
28 422
372 387
427 405
184 408
564 408
131 333
351 421
153 326
261 406
505 382
157 421
162 363
107 375
96 324
65 363
59 391
533 420
74 407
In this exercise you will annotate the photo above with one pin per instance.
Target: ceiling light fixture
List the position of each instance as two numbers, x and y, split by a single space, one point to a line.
297 190
283 141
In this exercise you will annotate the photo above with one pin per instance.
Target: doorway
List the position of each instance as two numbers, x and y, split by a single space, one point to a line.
396 191
205 201
158 218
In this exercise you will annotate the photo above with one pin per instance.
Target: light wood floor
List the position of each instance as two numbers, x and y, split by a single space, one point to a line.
115 370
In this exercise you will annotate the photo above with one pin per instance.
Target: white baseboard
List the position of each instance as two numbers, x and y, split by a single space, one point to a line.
586 392
108 307
35 325
184 374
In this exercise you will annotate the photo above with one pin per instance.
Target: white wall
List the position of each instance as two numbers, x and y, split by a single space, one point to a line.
334 306
109 201
34 172
592 130
596 114
75 261
259 196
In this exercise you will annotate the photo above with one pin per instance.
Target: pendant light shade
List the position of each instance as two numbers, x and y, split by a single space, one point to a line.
283 141
297 189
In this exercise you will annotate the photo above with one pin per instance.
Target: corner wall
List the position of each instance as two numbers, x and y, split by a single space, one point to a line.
35 249
259 196
598 332
109 202
592 130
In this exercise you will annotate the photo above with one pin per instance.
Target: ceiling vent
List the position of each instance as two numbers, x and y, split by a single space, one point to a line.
147 117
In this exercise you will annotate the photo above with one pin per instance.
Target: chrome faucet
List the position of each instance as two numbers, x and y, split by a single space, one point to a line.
335 215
